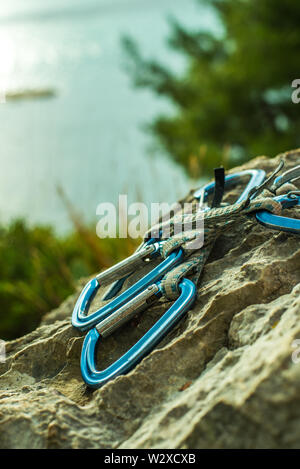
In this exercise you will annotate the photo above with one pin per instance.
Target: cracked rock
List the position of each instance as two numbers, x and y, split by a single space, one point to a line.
228 376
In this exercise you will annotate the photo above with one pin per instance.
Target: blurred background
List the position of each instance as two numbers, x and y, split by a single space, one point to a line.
107 97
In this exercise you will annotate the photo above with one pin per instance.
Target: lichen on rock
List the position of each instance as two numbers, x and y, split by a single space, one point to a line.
223 378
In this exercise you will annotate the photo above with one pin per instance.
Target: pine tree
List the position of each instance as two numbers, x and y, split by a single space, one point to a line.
233 101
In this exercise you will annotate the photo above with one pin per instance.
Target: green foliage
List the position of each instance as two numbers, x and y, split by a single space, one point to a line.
38 270
234 99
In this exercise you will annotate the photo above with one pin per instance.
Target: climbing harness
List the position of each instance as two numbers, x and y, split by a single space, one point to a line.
174 263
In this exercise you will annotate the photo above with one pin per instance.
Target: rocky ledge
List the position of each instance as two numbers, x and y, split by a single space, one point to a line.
226 377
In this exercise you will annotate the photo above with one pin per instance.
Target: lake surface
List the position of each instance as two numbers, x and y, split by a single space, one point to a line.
88 139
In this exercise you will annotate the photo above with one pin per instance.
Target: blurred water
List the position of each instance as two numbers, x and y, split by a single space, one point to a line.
88 138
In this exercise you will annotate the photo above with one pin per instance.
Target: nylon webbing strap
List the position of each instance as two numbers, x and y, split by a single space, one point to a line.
216 222
219 187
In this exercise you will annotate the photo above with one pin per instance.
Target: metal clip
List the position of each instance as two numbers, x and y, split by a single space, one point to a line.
289 176
95 378
256 178
276 222
80 317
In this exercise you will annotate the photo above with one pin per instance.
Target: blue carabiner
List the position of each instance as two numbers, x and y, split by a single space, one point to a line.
80 318
161 328
276 222
288 176
257 176
135 299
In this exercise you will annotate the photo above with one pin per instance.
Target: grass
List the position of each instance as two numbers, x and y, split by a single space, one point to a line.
39 269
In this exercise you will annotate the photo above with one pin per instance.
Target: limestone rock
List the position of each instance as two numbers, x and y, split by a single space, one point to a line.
224 378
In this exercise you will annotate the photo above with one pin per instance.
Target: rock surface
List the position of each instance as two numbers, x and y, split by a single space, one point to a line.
224 378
